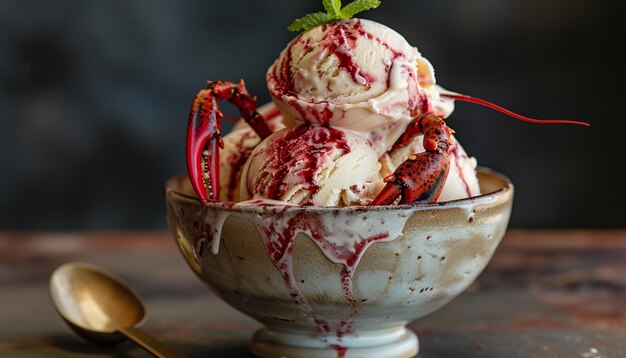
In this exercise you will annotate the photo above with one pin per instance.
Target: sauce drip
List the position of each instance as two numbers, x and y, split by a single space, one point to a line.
343 236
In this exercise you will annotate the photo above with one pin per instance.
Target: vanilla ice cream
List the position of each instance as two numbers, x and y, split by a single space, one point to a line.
355 74
313 165
347 90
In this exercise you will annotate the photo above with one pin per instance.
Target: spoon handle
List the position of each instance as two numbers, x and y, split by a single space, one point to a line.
149 343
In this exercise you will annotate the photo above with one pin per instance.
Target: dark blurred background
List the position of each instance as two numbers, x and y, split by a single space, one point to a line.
94 98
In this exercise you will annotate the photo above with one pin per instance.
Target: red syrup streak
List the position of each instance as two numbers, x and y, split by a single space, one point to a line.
482 102
341 350
346 326
349 255
341 41
303 147
293 103
278 243
279 246
343 237
279 230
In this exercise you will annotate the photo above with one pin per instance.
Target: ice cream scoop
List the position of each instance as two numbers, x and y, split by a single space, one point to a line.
355 74
313 165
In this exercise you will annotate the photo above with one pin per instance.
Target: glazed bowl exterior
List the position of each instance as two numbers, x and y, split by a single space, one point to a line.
431 253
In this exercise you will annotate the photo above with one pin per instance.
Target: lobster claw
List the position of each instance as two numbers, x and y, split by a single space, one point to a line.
203 143
204 129
419 179
422 176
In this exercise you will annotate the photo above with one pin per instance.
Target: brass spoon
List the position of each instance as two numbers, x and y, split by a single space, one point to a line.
100 307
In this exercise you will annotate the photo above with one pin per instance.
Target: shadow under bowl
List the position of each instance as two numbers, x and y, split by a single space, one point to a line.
334 281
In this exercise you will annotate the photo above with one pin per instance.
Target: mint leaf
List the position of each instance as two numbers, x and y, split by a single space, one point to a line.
333 8
358 6
309 21
333 12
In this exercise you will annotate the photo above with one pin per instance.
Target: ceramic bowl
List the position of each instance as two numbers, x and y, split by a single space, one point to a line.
339 281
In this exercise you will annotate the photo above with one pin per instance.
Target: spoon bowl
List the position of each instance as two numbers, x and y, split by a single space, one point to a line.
95 303
101 307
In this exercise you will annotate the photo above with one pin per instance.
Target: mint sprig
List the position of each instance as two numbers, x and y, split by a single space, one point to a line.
334 11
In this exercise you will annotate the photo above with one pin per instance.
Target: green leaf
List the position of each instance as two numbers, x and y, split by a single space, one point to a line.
333 12
358 6
333 8
309 21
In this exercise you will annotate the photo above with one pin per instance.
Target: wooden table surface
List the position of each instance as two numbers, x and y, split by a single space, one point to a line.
557 293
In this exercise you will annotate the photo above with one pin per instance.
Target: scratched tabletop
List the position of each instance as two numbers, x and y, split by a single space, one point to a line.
546 293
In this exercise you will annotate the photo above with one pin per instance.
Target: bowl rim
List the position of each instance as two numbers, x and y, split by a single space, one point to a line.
172 194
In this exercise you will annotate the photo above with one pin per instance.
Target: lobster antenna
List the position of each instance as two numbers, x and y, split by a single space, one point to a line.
482 102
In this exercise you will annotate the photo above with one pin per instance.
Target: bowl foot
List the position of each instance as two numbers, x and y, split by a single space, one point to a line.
393 343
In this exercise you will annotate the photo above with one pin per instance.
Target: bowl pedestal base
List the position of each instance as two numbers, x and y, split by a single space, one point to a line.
392 342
